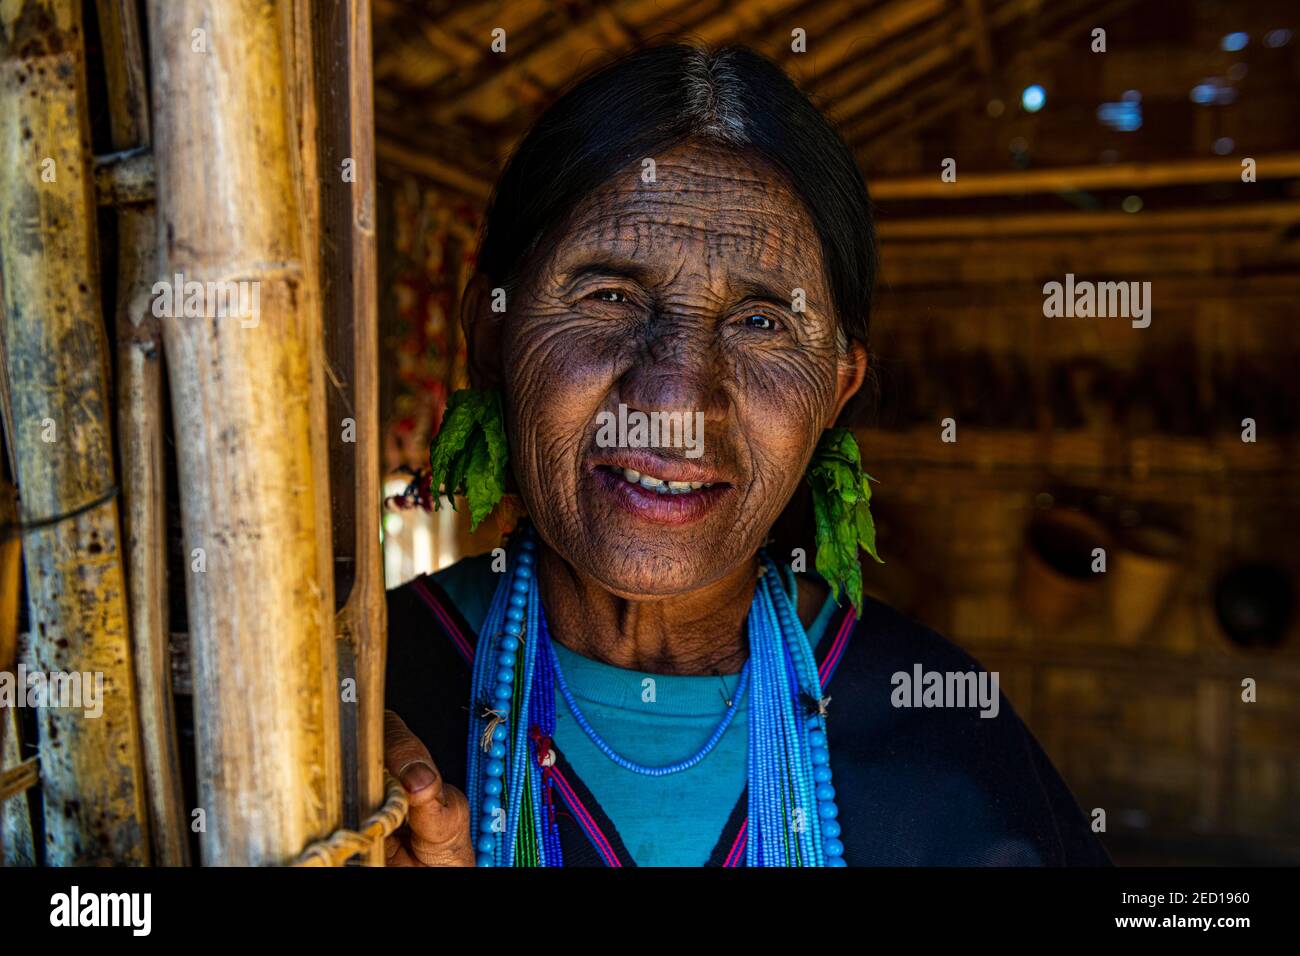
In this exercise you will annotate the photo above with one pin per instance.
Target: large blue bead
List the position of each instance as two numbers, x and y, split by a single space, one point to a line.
526 556
492 785
506 675
523 573
486 843
483 859
825 791
498 752
518 600
503 692
514 614
494 768
827 810
830 828
509 643
506 659
817 738
491 805
835 861
499 732
513 628
820 756
822 774
519 586
833 847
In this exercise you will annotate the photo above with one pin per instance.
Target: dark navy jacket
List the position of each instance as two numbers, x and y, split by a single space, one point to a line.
915 786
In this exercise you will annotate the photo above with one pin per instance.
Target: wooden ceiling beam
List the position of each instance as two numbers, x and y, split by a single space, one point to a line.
854 36
391 152
1252 216
1073 178
493 100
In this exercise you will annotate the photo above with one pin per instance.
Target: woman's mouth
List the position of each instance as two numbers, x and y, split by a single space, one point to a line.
658 485
675 499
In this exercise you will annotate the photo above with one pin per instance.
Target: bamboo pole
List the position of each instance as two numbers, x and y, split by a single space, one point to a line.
301 71
230 204
59 423
140 441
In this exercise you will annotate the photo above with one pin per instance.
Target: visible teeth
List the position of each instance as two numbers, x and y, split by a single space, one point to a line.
662 486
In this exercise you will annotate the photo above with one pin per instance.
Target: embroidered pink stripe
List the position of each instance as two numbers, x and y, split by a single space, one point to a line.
457 638
589 826
738 848
841 641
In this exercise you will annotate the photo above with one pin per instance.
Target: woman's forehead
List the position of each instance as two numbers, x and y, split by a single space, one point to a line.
714 206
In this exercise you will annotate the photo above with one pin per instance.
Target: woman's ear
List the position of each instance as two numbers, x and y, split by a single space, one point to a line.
482 330
850 374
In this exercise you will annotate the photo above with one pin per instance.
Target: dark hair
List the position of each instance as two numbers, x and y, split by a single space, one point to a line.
664 95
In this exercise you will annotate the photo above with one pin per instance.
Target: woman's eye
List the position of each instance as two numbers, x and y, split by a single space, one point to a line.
761 322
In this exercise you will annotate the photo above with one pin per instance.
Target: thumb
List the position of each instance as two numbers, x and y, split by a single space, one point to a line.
438 818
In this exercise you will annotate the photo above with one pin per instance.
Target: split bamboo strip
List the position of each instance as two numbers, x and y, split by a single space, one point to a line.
140 441
124 178
11 562
230 209
60 425
15 811
20 779
368 838
351 319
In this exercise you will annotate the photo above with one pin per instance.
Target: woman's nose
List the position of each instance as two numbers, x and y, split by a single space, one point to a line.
676 374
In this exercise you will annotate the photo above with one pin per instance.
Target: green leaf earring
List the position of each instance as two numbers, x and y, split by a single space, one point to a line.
468 456
841 493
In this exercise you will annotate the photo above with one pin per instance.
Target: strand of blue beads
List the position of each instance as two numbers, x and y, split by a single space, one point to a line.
492 817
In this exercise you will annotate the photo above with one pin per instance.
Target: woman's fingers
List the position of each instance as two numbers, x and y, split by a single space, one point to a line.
437 827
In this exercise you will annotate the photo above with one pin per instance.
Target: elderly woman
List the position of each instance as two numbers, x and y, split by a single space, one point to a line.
683 241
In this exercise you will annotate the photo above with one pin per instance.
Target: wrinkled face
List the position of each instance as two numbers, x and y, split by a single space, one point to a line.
676 297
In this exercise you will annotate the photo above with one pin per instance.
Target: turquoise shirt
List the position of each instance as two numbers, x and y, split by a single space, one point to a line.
652 719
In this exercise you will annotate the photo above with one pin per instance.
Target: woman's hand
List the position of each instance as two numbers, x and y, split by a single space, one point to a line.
436 832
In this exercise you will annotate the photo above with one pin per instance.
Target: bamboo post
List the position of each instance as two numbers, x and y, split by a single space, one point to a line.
243 390
59 422
343 61
140 441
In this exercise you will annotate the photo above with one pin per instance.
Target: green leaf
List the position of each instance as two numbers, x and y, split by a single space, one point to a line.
842 513
469 455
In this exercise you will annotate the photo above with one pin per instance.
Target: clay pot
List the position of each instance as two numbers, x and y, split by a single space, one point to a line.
1057 581
1141 575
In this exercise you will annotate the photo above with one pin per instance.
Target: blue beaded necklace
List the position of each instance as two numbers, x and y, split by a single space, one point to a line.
791 810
